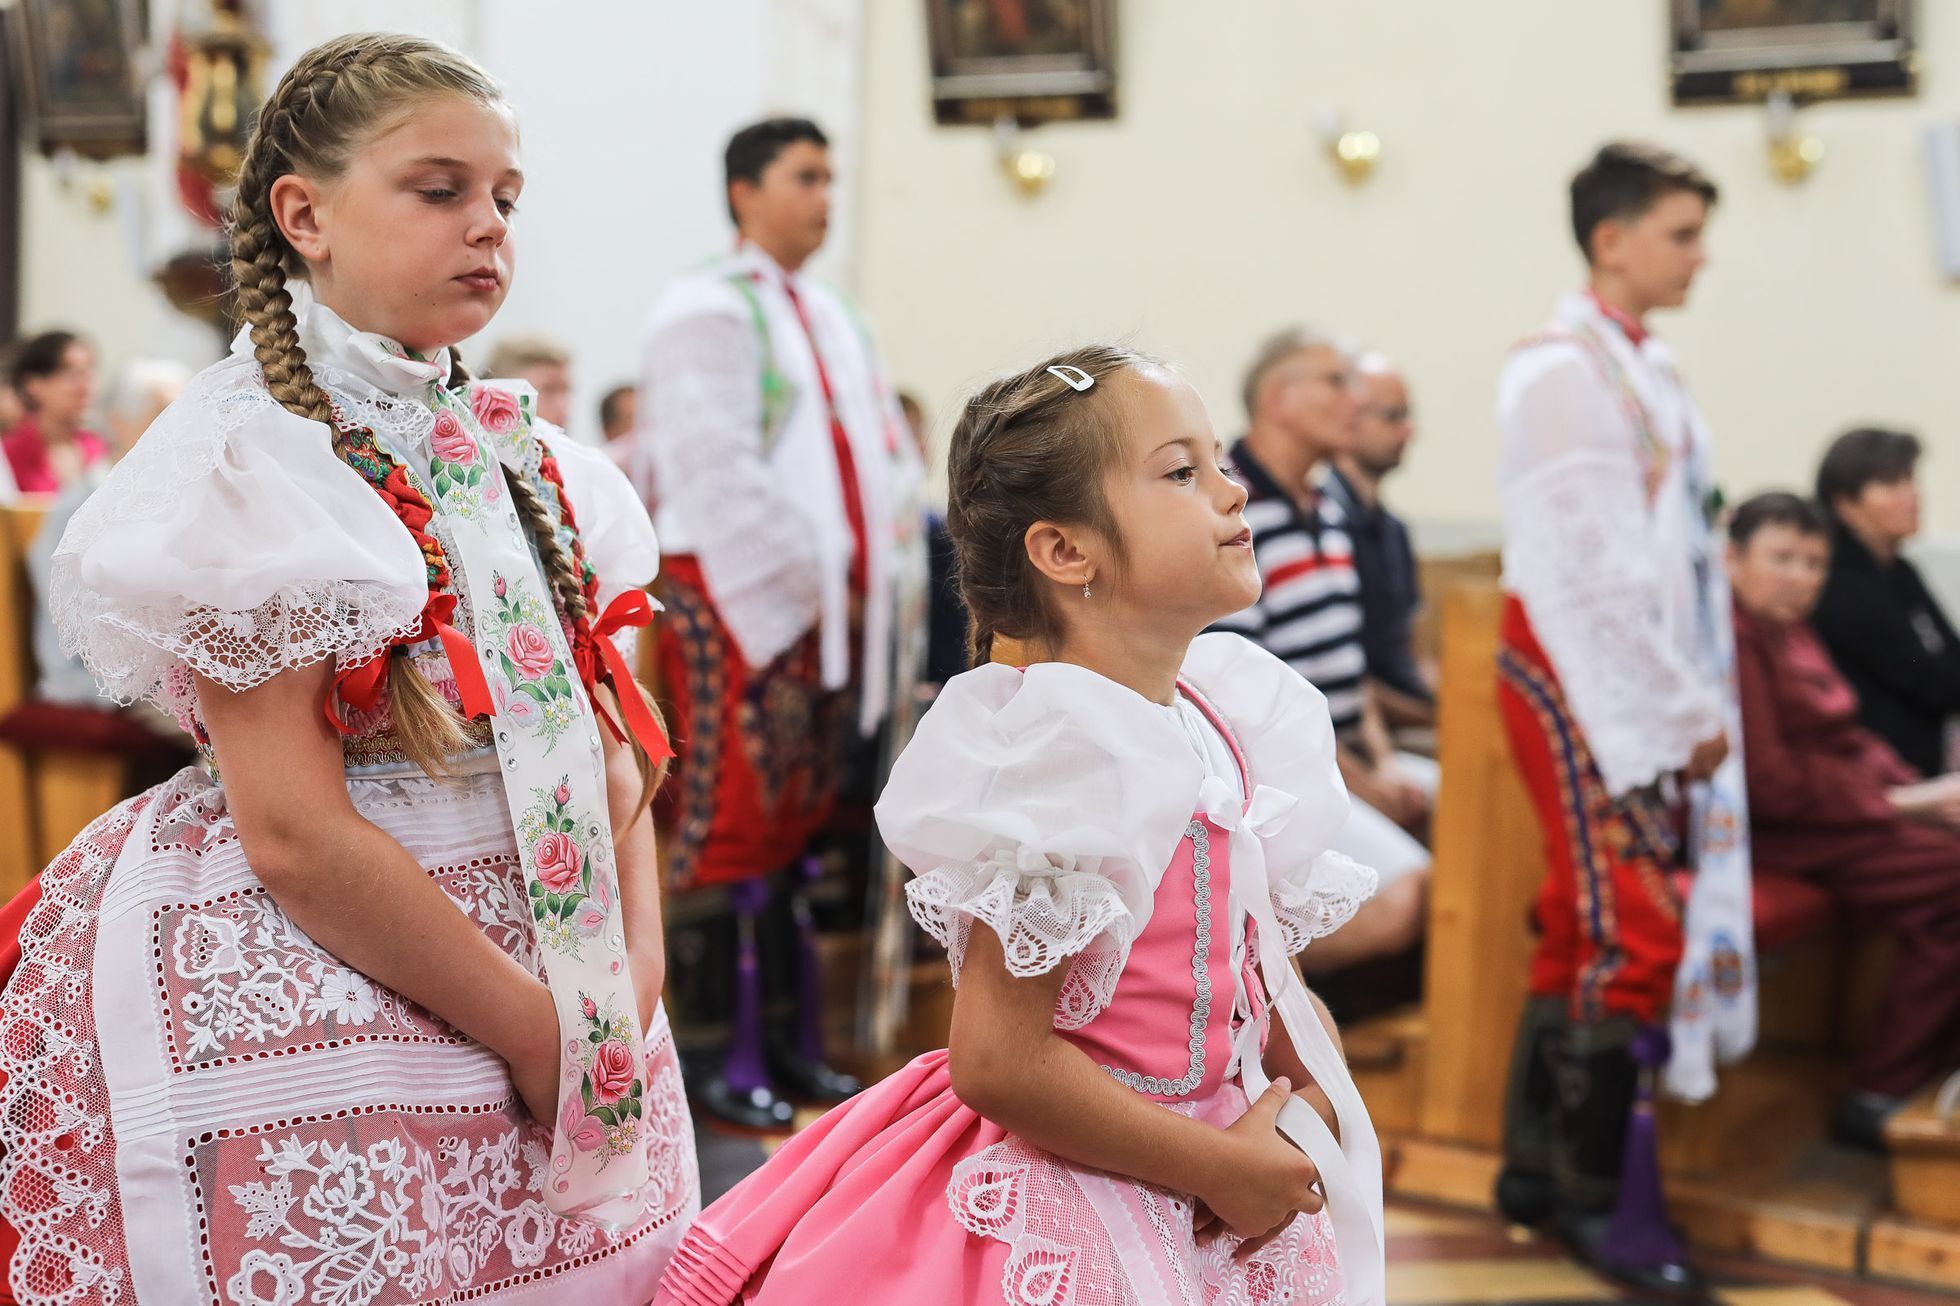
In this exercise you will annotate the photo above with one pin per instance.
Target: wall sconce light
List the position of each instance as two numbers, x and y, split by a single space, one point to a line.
1029 169
1354 152
1793 153
80 179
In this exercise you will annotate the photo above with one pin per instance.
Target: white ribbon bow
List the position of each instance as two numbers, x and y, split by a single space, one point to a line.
1265 815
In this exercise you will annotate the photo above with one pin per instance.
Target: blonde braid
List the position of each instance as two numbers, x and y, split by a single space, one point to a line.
327 104
261 261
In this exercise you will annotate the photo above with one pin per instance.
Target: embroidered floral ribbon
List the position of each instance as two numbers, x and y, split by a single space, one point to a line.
553 768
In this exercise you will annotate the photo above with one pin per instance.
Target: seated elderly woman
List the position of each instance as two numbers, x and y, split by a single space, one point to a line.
1884 628
1832 802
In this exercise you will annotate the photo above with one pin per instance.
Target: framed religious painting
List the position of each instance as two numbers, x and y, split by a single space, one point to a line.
77 66
1729 51
1028 60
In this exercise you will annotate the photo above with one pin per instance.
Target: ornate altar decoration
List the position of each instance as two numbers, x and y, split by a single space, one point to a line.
215 62
216 65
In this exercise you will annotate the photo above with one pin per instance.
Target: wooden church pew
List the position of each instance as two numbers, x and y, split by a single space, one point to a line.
80 763
19 827
1747 1171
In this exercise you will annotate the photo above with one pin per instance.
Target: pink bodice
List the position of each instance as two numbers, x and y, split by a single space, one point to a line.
1168 1029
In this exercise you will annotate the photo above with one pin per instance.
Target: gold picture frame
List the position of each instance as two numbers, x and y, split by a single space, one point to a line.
1029 60
1741 51
77 64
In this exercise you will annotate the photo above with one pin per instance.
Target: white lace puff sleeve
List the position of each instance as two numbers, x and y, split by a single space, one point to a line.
1282 724
233 541
612 520
1577 552
1045 806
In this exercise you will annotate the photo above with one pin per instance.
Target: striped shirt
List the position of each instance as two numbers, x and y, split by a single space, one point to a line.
1309 614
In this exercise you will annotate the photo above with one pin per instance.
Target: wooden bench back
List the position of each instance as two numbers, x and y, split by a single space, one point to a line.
1489 862
19 845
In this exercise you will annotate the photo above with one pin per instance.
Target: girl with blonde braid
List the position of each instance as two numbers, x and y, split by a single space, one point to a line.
368 1012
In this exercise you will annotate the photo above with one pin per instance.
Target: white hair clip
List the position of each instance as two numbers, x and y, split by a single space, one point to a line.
1074 377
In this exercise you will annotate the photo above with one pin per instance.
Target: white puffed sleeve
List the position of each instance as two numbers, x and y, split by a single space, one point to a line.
1044 806
612 521
1282 724
234 541
1577 552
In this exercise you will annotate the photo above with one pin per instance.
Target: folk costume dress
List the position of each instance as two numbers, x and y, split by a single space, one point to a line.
1172 858
1617 658
202 1104
787 492
785 488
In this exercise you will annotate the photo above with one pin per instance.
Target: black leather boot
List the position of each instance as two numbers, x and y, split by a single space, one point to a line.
1600 1081
795 973
1526 1193
715 998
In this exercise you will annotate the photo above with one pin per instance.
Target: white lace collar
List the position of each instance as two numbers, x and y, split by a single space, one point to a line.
374 359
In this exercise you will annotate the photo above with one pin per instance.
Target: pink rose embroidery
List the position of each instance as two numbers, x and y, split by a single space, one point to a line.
496 410
529 649
558 860
521 708
588 1006
563 795
451 442
612 1072
585 1132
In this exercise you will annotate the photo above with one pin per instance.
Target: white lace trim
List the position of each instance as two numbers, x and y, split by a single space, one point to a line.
57 1158
1065 1246
1045 912
132 645
1327 898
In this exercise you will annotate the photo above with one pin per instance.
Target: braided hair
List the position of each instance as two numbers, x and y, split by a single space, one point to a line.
338 96
1029 448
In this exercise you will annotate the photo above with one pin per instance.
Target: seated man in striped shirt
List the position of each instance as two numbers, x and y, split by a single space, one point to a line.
1302 402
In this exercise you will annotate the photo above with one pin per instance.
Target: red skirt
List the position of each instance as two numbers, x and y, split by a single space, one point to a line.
1608 914
759 751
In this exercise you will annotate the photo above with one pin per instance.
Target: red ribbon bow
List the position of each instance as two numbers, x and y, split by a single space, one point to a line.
633 609
361 686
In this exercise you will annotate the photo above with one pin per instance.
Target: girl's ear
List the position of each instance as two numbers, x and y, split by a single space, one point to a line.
296 205
1058 553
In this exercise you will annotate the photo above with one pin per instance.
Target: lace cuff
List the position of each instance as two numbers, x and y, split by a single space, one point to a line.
1044 910
1326 898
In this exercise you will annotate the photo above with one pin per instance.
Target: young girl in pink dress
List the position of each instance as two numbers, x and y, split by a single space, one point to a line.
370 1014
1121 847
